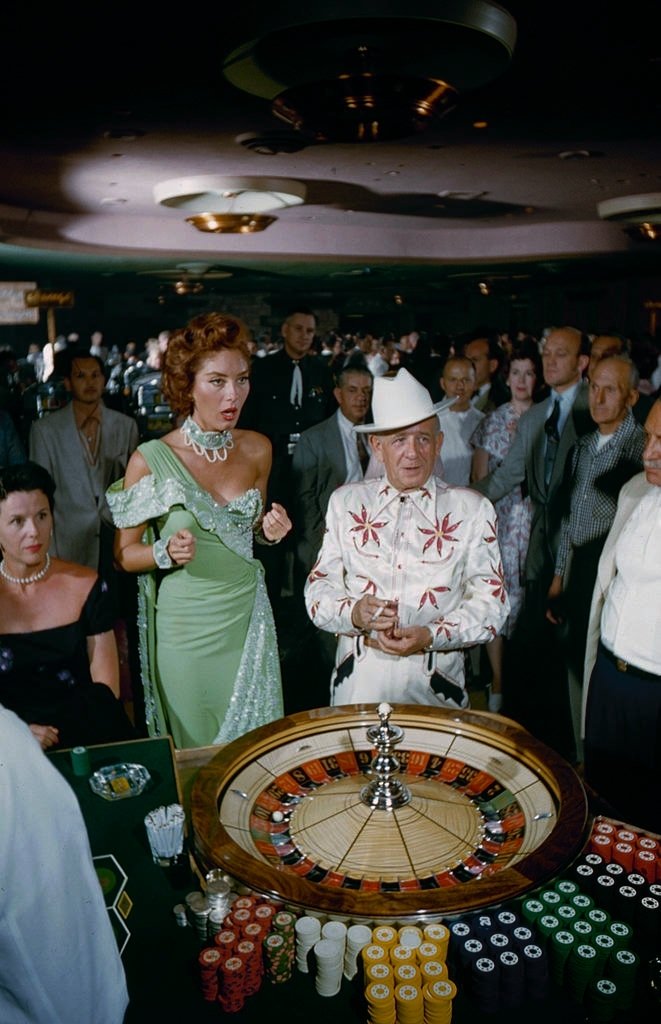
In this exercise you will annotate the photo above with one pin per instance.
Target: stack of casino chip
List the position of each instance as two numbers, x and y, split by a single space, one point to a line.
410 935
308 931
580 969
336 931
402 955
415 970
358 936
251 955
226 940
263 914
623 970
381 970
433 970
499 957
231 984
209 960
560 946
385 935
198 911
440 934
373 953
180 914
512 978
380 997
409 1003
329 957
601 1000
278 959
485 983
407 974
437 997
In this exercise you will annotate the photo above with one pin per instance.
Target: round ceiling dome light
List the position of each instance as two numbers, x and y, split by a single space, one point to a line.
632 209
200 193
348 71
640 215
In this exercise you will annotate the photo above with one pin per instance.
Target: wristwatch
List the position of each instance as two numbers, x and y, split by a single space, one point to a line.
161 556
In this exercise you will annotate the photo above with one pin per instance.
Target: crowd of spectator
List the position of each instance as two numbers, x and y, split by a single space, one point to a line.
548 425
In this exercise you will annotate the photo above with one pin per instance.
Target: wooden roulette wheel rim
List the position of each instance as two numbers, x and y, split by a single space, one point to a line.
494 813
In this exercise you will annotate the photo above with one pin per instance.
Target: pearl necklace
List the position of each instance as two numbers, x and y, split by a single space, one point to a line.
212 445
25 579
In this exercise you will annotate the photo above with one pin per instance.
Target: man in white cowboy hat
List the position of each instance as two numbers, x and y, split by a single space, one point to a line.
409 572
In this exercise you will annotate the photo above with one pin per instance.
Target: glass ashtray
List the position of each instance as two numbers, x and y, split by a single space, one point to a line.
118 781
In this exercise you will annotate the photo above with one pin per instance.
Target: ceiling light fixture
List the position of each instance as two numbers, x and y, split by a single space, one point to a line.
231 223
640 215
344 73
238 206
200 193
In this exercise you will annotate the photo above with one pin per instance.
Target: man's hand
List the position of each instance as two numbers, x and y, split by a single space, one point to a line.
47 735
405 640
554 609
374 614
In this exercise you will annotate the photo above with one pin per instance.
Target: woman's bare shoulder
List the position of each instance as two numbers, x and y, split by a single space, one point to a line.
253 443
73 576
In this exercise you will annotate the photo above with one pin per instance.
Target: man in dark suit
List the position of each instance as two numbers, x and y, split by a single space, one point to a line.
290 391
536 459
486 355
327 455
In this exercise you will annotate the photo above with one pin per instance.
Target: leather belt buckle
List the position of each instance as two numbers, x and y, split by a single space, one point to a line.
621 664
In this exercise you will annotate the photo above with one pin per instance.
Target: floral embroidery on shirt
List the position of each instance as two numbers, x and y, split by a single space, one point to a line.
430 595
366 526
492 536
370 586
442 531
498 583
445 628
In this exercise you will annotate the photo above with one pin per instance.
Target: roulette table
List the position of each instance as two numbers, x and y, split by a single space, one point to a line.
488 812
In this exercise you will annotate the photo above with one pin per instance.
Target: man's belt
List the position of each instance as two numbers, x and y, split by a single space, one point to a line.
625 666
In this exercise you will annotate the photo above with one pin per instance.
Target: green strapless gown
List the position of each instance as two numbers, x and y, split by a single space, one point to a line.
209 651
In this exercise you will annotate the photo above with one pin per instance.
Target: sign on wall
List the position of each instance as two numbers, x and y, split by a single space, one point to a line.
13 307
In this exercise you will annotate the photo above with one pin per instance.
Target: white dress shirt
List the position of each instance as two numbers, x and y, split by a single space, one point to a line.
631 616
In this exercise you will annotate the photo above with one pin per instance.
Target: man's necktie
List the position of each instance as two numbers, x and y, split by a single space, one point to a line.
296 393
363 452
552 438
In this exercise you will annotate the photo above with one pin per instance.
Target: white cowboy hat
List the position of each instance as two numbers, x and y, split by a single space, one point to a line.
399 402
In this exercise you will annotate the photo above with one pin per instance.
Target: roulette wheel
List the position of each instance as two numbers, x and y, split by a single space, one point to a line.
380 813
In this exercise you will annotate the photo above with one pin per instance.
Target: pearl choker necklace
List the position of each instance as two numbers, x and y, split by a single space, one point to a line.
25 579
212 445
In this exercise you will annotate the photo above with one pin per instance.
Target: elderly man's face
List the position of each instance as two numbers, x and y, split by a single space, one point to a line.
652 451
408 455
610 394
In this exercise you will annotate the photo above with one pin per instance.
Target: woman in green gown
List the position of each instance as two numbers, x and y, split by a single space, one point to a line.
187 511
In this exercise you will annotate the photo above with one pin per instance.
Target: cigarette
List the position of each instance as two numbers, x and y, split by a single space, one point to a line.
376 615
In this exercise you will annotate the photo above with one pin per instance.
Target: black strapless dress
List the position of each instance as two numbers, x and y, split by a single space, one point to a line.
45 678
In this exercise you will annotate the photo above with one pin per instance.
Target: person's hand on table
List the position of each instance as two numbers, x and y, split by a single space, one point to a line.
46 735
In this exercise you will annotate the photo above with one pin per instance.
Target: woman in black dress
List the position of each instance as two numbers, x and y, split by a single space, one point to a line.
59 669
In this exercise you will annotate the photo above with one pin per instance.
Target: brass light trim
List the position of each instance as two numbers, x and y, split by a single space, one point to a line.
231 223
